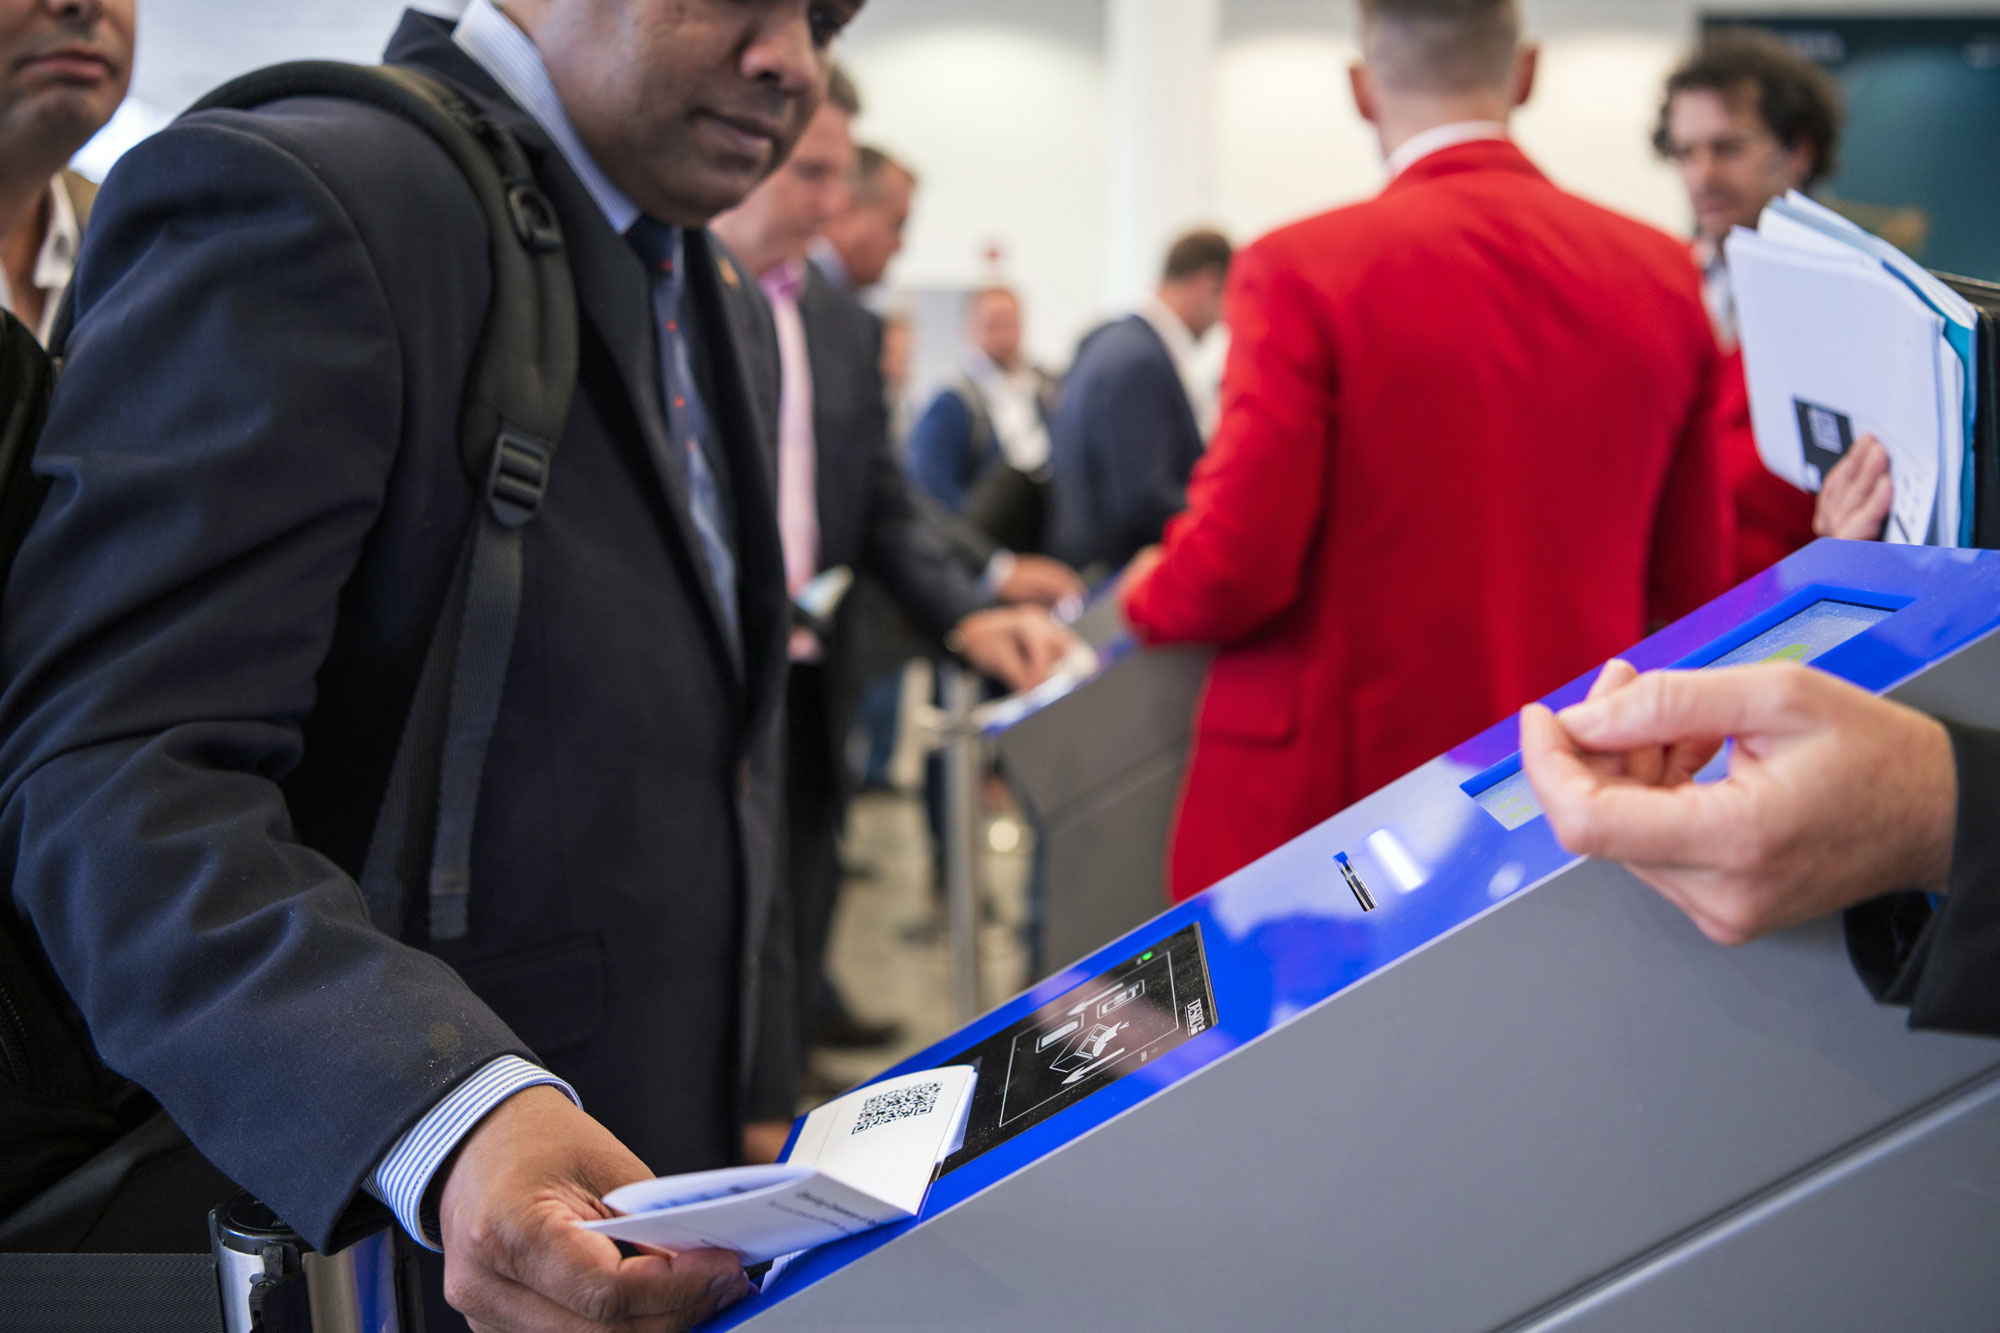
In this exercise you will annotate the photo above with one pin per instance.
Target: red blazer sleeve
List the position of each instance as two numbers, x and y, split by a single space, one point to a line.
1234 560
1694 534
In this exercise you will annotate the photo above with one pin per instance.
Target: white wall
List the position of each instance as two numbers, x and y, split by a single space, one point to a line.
1286 140
1002 106
1003 119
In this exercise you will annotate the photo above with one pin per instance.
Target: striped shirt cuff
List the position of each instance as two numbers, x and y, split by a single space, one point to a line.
404 1176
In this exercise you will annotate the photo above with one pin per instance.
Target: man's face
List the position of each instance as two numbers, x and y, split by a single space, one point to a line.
64 68
687 104
870 235
1730 161
805 194
996 328
1206 293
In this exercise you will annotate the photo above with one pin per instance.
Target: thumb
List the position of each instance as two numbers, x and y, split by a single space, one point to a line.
1671 707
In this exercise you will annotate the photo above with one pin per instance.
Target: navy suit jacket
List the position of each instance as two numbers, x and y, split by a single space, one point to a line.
214 630
1122 446
1942 960
945 458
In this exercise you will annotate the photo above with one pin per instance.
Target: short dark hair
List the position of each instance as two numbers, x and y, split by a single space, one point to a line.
1197 252
871 165
1440 46
1798 101
842 92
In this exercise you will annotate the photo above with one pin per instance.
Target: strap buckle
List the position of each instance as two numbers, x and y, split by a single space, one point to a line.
518 477
535 219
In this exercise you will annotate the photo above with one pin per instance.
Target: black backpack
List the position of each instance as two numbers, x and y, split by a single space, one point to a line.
70 1130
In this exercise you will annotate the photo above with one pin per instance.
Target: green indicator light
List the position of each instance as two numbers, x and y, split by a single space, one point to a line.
1146 957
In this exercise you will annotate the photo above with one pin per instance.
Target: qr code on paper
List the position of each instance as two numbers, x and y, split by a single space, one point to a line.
893 1106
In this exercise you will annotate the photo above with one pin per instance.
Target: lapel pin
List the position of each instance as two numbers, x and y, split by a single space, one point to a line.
728 271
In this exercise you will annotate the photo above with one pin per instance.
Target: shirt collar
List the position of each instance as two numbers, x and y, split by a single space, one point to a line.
1440 137
985 371
1178 337
784 283
55 262
828 259
506 53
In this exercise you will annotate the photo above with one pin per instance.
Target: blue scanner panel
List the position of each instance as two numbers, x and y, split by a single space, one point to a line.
1377 882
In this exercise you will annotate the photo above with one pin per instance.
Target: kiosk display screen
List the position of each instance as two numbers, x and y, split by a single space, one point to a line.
1818 629
1086 1039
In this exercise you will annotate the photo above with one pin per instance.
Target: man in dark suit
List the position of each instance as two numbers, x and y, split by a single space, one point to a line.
844 503
1129 431
214 631
1837 801
981 449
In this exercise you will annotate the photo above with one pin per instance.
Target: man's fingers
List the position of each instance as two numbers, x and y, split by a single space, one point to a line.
1556 770
1855 501
1876 511
1051 645
1688 758
1615 675
1675 707
585 1273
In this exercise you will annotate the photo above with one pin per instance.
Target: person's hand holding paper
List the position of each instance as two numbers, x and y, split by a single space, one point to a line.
1854 503
861 1161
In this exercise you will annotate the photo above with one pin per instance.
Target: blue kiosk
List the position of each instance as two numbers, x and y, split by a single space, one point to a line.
1423 1069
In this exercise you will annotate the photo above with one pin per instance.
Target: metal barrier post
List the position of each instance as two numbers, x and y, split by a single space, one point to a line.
961 753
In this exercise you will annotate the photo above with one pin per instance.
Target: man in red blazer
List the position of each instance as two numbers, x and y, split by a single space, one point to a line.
1465 455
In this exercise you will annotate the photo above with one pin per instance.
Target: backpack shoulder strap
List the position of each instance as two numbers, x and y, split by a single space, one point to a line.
516 403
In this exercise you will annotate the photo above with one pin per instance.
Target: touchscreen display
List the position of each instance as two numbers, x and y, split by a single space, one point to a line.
1818 629
1086 1039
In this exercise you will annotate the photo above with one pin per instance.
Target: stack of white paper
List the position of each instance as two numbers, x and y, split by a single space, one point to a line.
1844 336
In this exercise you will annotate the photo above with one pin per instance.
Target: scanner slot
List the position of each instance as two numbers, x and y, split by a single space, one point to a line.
1361 893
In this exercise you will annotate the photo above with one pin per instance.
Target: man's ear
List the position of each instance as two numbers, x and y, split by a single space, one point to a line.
1363 85
1526 61
1799 165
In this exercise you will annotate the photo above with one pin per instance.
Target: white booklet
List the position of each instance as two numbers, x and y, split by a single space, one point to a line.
861 1161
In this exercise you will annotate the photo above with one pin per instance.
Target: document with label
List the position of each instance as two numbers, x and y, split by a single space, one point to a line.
1835 347
861 1161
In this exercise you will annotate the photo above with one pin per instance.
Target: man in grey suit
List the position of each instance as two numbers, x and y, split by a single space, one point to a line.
844 502
214 632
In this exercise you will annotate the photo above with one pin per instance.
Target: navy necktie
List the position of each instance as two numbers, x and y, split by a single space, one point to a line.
687 419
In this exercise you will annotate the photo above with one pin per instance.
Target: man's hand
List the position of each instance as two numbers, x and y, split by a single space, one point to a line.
1854 500
1136 573
514 1257
1016 645
764 1141
1037 580
1833 796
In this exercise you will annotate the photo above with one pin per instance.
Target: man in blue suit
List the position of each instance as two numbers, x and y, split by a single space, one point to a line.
214 632
1129 430
981 449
